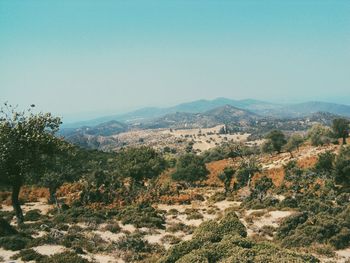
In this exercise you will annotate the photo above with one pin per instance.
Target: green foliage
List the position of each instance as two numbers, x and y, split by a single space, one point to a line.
193 214
14 242
32 215
113 227
325 162
141 216
261 186
227 150
319 135
28 255
342 167
190 168
267 147
341 128
290 224
247 168
277 139
26 139
226 177
140 163
225 241
135 248
293 143
81 214
6 229
66 257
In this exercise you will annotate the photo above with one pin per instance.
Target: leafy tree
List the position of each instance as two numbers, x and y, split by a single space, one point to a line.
342 167
319 135
261 186
293 143
247 168
61 167
190 168
277 139
226 177
340 128
139 163
25 138
267 147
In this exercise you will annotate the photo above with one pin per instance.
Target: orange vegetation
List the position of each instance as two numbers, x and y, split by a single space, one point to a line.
307 162
70 191
215 168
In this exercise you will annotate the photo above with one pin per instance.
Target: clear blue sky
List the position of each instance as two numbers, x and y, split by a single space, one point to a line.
71 57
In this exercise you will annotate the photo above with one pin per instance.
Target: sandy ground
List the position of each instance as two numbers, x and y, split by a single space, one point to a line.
203 139
344 255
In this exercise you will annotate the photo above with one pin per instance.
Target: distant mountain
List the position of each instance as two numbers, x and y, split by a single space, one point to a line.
198 106
103 129
219 115
262 108
306 108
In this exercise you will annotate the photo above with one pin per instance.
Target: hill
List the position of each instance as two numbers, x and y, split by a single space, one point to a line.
220 115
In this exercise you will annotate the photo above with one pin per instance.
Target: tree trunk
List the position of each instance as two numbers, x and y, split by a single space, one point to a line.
344 139
291 154
15 203
52 198
249 178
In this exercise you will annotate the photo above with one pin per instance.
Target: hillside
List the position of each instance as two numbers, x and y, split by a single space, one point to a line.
220 115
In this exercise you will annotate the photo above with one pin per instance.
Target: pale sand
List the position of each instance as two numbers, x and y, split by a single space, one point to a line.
49 249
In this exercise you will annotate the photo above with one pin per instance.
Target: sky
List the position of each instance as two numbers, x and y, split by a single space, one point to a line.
81 59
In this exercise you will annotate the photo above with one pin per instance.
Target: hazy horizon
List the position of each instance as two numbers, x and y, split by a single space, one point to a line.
87 58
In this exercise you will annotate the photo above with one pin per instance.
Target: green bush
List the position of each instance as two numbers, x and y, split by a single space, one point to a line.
114 228
141 216
32 215
66 257
14 242
291 223
6 229
28 255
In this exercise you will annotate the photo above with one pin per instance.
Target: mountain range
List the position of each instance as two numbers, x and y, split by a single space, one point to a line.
262 108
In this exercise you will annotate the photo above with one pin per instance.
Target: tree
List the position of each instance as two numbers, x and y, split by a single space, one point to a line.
247 168
293 143
261 186
25 139
190 168
340 128
267 147
319 135
277 139
342 167
61 167
226 177
139 164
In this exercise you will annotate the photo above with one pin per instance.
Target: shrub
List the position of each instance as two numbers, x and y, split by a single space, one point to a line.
193 214
291 223
32 215
114 228
342 239
28 255
325 162
176 227
6 229
14 242
171 239
66 257
141 216
190 168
